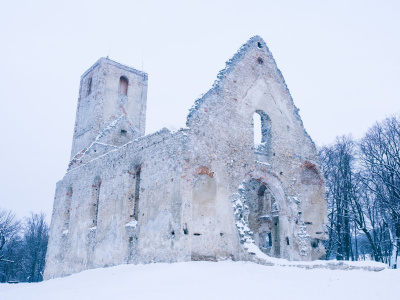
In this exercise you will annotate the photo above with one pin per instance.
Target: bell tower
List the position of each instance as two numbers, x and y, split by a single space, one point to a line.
110 93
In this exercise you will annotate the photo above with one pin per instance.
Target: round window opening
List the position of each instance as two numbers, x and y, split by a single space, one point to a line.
259 45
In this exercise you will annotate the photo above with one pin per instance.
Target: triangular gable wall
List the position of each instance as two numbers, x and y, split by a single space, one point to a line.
251 81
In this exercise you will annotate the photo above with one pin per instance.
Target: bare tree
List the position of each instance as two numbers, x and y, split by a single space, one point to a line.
22 248
380 156
9 230
338 165
35 240
367 221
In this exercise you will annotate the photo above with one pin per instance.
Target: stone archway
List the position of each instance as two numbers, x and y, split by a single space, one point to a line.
263 216
266 213
203 223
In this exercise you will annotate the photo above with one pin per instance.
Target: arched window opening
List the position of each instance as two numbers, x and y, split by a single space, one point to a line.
263 216
257 129
262 128
123 85
89 86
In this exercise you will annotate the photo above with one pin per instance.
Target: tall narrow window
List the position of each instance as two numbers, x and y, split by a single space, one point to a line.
95 200
137 194
261 194
262 132
67 211
123 85
263 126
89 86
257 129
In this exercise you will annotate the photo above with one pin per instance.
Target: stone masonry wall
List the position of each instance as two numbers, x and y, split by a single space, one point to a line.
117 238
206 192
221 122
100 101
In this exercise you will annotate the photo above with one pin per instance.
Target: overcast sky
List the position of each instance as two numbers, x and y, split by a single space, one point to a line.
340 60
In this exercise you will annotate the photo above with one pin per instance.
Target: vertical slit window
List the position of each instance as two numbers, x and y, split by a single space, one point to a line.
67 212
89 86
262 132
95 200
137 194
261 193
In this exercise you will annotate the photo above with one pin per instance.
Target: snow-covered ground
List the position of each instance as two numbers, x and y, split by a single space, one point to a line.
210 280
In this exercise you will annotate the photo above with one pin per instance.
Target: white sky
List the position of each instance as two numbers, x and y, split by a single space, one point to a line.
340 60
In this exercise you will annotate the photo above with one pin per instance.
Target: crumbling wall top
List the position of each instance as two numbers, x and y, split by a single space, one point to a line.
254 43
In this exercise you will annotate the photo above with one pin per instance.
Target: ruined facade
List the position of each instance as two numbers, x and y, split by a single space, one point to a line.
205 192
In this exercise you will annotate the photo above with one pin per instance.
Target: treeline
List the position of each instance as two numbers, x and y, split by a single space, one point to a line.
363 193
23 245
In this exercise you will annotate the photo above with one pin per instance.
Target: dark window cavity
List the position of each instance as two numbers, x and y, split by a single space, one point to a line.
123 85
89 86
137 193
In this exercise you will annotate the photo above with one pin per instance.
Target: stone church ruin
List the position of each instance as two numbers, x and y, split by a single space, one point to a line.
205 192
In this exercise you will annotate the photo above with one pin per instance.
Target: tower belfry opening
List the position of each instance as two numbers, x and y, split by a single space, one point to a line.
123 85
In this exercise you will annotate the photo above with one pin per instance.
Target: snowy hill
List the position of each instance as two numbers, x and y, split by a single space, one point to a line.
210 280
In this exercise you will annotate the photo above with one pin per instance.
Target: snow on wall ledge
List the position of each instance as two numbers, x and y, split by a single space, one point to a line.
201 193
